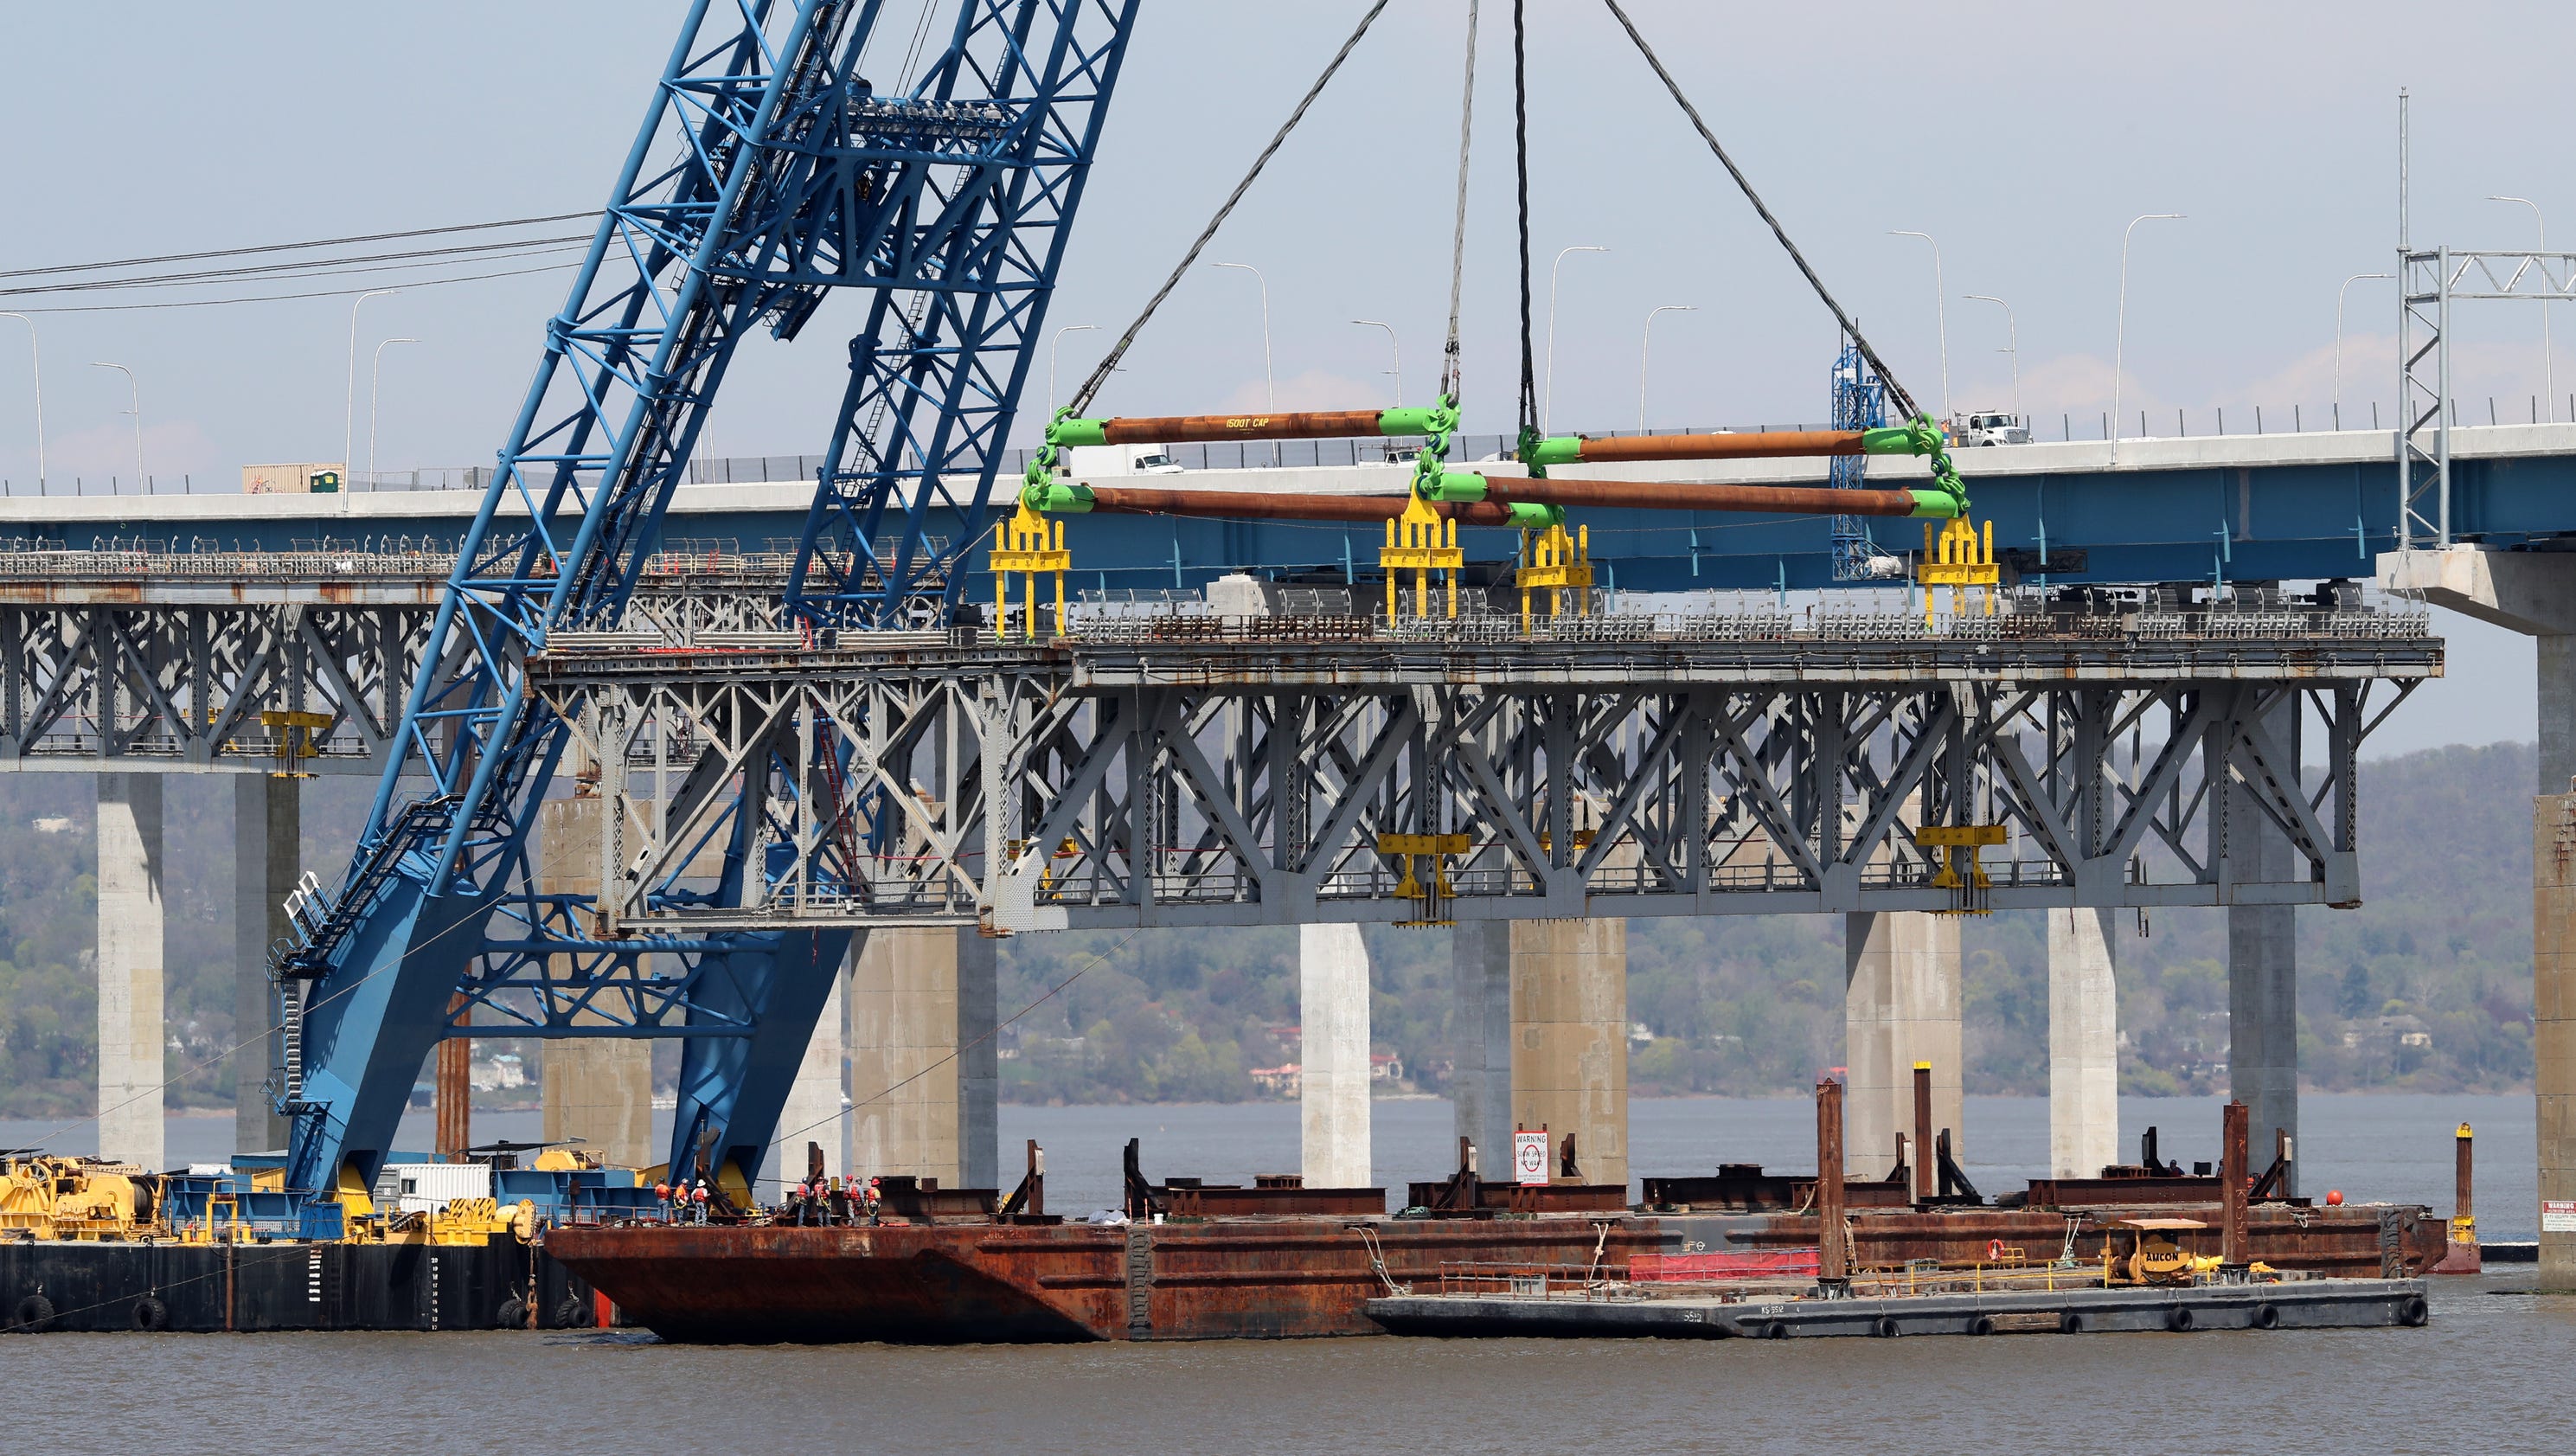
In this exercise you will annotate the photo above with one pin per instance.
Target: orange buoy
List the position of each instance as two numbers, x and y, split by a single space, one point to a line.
2334 1198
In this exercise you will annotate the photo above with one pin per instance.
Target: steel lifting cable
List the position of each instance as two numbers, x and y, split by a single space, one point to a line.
1458 243
1082 397
1520 147
1886 376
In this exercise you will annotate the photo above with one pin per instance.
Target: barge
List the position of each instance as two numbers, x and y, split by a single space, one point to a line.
1186 1260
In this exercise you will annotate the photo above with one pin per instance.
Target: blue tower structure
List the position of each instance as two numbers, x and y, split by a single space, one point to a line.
1860 403
768 172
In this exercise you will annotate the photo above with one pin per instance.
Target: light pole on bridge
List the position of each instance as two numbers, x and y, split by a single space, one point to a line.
2338 367
2548 376
2120 344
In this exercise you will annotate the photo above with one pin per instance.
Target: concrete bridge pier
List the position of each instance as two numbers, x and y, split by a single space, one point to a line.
268 837
924 1077
1900 1007
130 960
2534 593
1333 1056
597 1089
813 1112
2083 1044
1540 1039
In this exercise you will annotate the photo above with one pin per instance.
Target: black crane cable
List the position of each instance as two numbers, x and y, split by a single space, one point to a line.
1520 147
1109 364
1886 376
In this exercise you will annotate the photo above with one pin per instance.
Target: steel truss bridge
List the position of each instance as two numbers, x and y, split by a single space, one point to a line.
1180 771
167 663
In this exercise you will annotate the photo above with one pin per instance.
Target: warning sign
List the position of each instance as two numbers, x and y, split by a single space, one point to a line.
1529 1157
2558 1216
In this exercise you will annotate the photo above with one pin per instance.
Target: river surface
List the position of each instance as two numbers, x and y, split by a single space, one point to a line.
2490 1373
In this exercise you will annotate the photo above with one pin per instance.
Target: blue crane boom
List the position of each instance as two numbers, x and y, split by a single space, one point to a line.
767 173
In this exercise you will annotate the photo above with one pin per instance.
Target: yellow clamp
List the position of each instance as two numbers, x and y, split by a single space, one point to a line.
294 739
1421 541
1960 873
1557 564
1958 558
1032 546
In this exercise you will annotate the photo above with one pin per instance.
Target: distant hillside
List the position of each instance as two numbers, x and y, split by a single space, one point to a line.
2439 956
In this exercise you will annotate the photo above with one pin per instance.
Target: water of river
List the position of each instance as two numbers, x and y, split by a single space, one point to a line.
2489 1374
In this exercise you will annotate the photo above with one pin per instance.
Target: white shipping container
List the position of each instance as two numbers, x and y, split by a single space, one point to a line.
430 1187
292 478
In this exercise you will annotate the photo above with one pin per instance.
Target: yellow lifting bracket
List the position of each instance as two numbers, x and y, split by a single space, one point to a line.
1960 874
1031 546
294 739
1421 541
1414 848
1958 559
1557 564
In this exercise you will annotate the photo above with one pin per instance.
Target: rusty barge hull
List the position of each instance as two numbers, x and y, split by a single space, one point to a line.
997 1283
1284 1278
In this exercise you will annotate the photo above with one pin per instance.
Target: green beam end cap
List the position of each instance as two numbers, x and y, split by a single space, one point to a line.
1921 437
1077 431
1408 422
1454 488
1058 499
1562 450
1532 516
1938 505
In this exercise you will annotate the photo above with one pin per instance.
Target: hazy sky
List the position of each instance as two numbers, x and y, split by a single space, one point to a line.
2023 136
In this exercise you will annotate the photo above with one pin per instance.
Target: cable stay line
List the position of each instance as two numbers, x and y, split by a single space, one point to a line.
471 227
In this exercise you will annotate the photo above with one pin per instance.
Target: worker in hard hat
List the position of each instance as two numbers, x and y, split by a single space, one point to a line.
698 1197
871 1201
662 1196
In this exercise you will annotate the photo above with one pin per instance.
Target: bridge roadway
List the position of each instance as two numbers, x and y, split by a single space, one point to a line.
2309 506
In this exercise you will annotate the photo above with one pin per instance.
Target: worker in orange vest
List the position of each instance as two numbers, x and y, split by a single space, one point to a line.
871 1201
804 1201
662 1195
698 1196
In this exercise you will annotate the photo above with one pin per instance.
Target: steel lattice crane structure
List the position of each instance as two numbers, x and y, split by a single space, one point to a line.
768 172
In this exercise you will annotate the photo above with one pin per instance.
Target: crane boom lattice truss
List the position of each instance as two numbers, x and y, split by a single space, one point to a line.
767 173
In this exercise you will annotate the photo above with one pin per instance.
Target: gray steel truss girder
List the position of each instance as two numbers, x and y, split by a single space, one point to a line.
1030 791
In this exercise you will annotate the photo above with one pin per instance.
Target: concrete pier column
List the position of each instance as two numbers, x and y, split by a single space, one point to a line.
2534 593
1900 1007
2263 973
813 1113
924 1077
1480 1039
130 1033
598 1089
1333 1081
1570 1040
268 835
2083 1045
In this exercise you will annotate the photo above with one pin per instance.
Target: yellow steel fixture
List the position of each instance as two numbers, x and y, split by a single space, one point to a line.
1558 565
1958 559
1032 546
1413 849
1960 874
293 735
1421 541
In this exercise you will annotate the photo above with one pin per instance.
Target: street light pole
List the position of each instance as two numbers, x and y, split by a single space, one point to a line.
1555 271
37 358
2338 367
2548 376
2120 344
349 415
136 396
1052 345
1941 310
1646 354
1392 342
375 381
1270 380
2012 331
